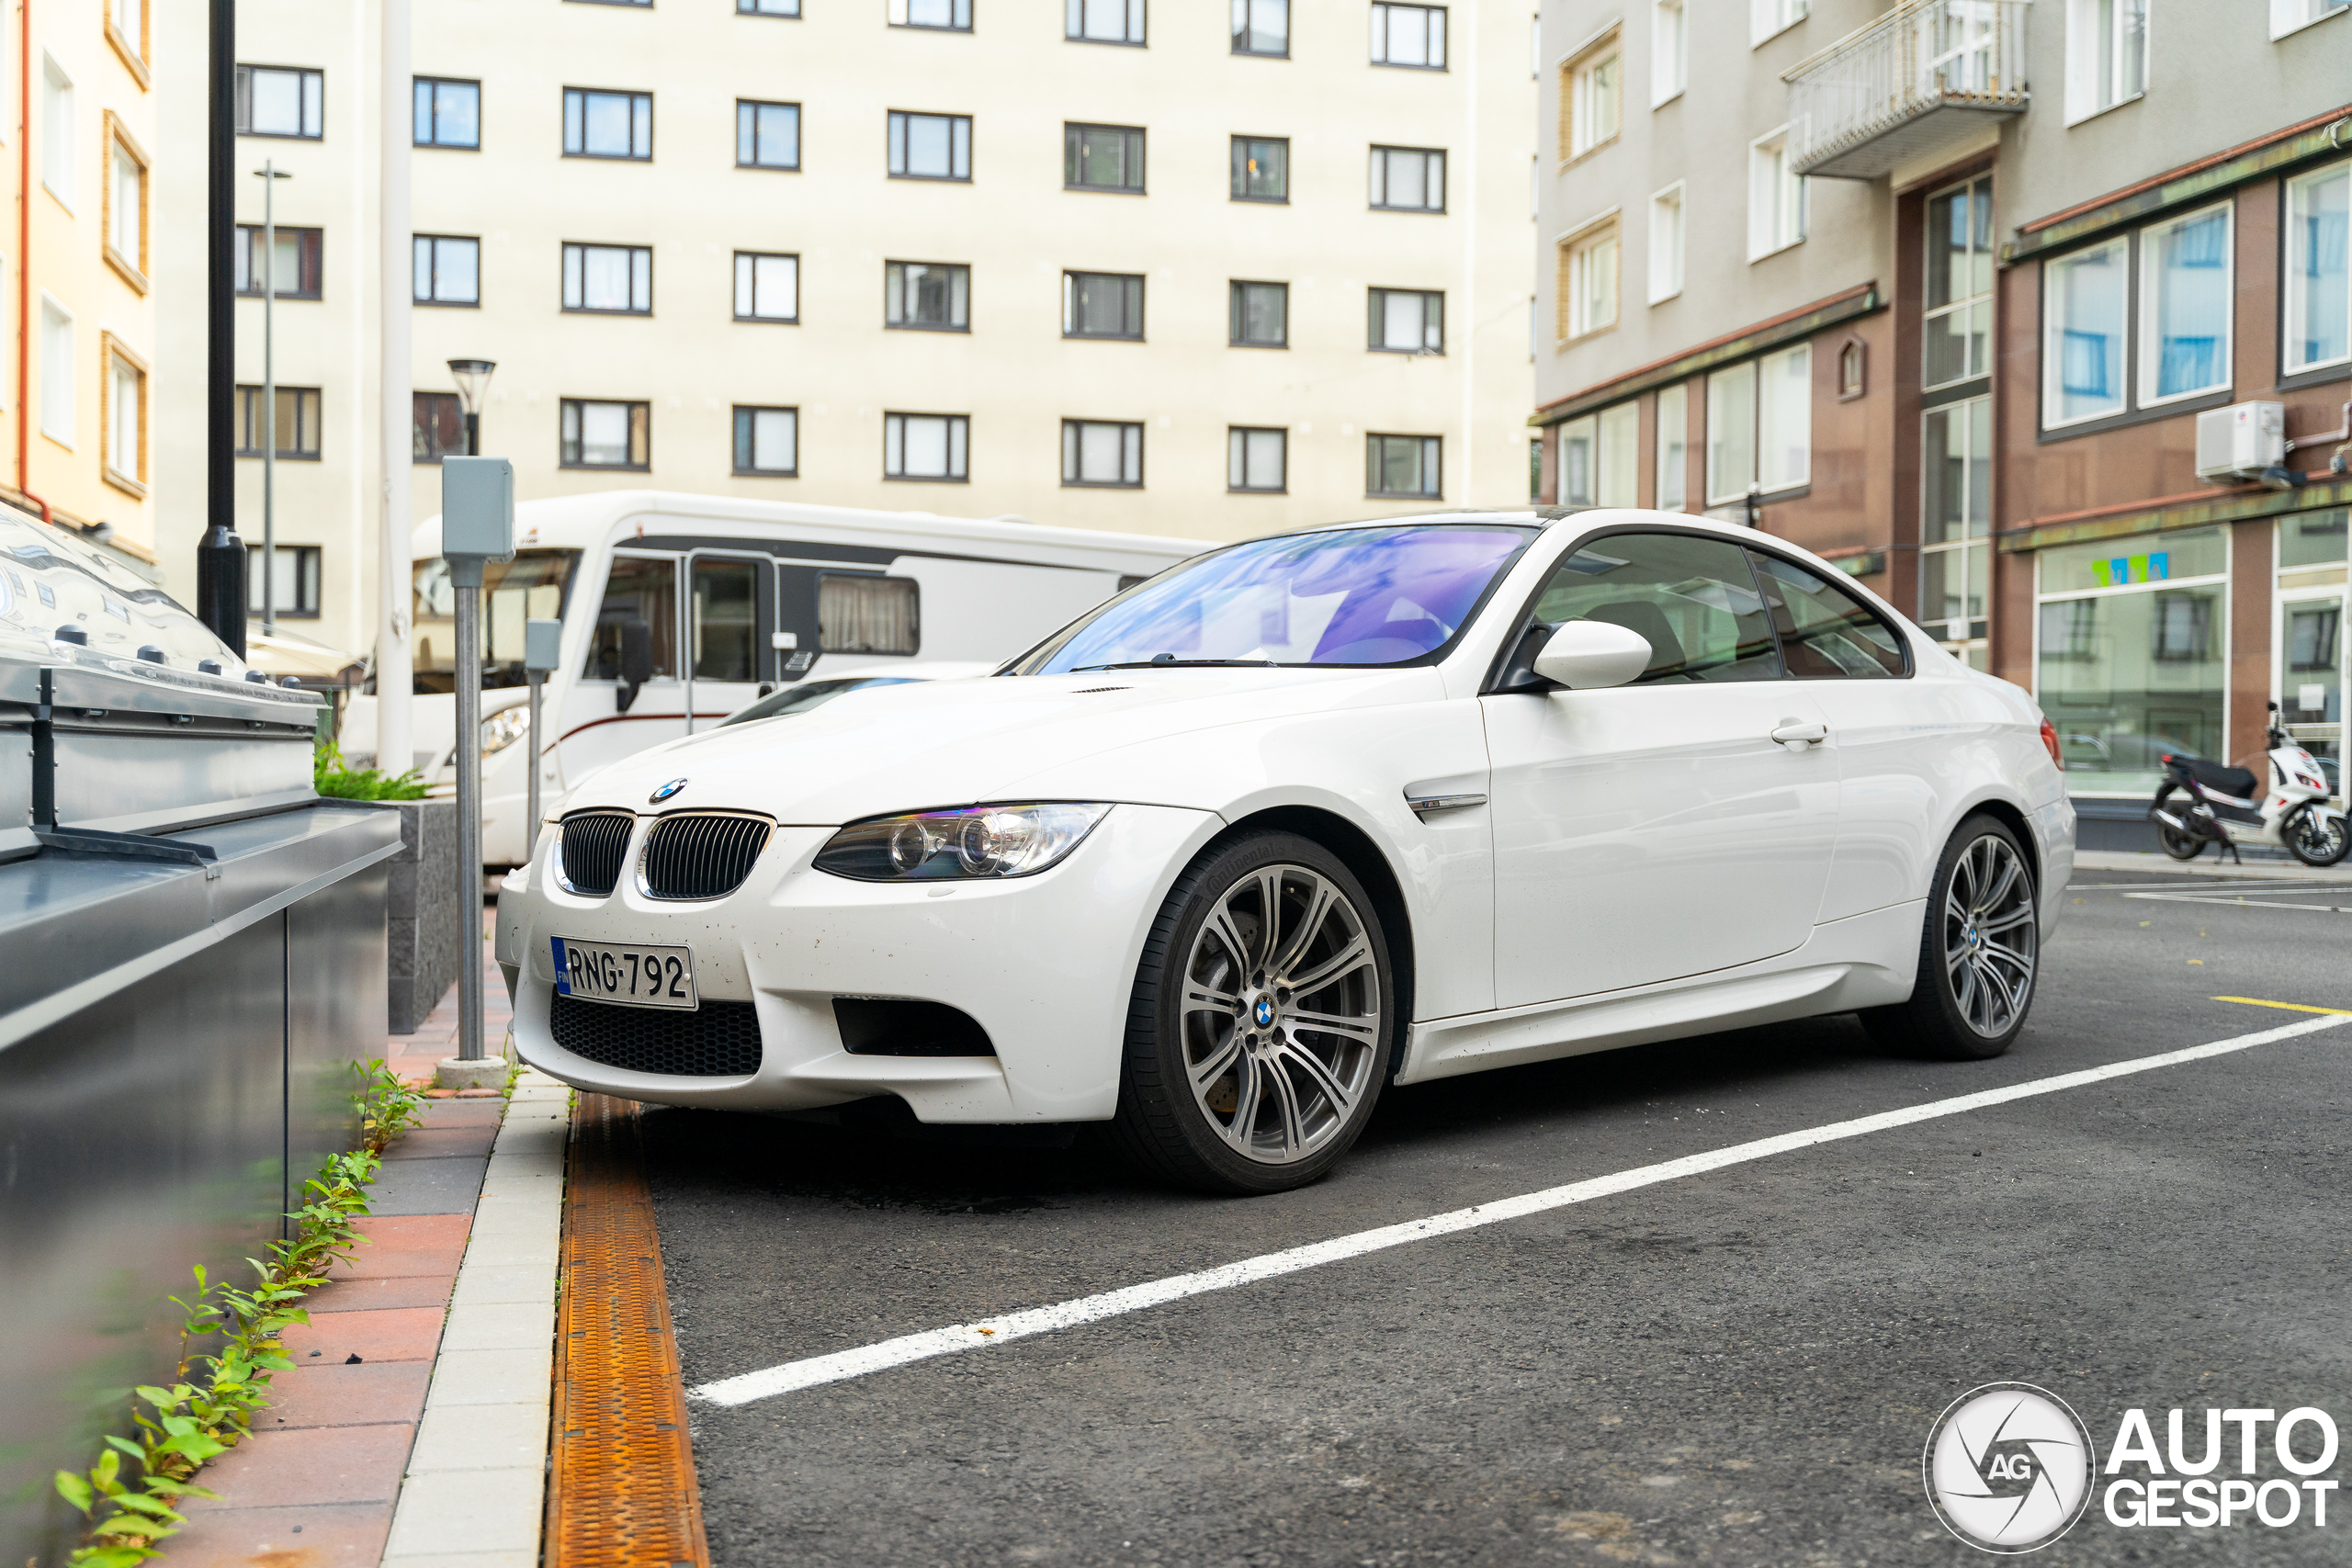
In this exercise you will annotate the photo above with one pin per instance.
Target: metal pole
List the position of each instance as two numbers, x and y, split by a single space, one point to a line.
221 559
473 433
531 821
394 667
467 576
269 398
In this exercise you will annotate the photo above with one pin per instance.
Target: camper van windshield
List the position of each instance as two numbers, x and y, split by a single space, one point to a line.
533 586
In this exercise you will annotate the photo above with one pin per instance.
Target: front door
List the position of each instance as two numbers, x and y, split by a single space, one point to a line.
730 609
597 730
2311 676
1656 831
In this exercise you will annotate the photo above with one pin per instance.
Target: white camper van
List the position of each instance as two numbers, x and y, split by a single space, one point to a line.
679 609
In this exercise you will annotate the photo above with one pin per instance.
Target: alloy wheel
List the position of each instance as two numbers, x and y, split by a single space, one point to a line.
1990 936
1280 1013
2314 840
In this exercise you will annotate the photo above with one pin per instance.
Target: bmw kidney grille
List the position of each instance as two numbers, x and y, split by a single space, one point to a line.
593 846
696 854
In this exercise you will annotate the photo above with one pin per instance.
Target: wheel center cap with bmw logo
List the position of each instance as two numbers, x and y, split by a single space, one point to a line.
1263 1013
665 792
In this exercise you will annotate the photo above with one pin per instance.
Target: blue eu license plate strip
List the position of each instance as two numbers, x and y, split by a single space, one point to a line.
562 969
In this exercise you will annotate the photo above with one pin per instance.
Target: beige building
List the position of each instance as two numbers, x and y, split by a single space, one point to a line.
81 294
1206 269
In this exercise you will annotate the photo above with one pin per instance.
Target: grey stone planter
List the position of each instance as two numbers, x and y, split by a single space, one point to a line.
423 916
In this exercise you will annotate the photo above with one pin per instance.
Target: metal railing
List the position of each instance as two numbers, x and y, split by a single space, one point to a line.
1857 108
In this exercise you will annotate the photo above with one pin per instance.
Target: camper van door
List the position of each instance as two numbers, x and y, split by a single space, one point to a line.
639 585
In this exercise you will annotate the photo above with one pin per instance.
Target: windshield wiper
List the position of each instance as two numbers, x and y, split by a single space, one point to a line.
1175 664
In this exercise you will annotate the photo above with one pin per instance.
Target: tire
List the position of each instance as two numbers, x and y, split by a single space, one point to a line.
1224 1087
2172 840
2311 841
1980 953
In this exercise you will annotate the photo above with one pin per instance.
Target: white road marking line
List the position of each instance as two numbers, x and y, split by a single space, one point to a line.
810 1371
2210 885
2240 902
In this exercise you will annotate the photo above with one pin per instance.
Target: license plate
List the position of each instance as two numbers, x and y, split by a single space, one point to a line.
635 975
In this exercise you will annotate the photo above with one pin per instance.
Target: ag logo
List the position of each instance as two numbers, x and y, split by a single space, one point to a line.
2009 1468
665 792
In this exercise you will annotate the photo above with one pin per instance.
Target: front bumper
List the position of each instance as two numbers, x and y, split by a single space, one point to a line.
1045 964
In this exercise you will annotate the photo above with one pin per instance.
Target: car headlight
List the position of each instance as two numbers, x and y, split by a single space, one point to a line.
970 842
504 727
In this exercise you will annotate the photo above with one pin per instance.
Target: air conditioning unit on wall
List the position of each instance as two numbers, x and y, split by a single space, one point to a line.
2241 441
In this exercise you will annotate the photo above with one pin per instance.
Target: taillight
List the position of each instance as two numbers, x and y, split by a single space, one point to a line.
2049 744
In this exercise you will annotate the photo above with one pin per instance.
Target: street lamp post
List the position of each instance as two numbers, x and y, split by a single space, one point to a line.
473 377
269 175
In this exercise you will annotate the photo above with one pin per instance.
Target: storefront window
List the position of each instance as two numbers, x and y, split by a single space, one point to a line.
2310 639
2133 655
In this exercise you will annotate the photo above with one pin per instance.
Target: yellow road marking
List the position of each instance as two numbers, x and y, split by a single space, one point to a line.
2289 1006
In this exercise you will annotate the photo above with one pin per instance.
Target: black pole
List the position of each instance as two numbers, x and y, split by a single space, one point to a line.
221 562
473 435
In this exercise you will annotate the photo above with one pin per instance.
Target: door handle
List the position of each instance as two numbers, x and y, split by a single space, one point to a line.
1796 734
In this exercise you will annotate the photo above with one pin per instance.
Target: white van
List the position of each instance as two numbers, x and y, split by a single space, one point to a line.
710 603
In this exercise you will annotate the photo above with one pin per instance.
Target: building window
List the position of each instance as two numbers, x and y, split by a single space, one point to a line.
1776 196
1956 519
1104 21
2132 657
930 146
1257 459
767 287
1410 36
2107 54
126 30
1592 98
1674 447
1600 457
1853 364
1770 18
927 295
1407 321
767 8
1587 281
1103 157
281 100
297 422
1262 26
598 123
767 442
1408 179
294 585
1959 284
1261 169
2319 283
611 280
448 113
1760 425
57 362
126 206
1102 304
1666 243
1261 315
926 446
1403 465
123 417
1101 452
2293 16
437 424
2184 306
767 136
601 434
1669 50
447 270
299 259
942 15
57 128
2082 350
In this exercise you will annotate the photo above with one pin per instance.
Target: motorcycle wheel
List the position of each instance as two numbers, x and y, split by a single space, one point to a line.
2313 839
2178 844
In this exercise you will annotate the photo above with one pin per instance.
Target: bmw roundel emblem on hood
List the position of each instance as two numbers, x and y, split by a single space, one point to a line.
665 792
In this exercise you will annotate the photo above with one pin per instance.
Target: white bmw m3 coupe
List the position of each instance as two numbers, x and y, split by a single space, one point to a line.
1303 817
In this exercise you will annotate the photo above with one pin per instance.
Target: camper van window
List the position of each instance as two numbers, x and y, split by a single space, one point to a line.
534 585
726 620
638 590
859 613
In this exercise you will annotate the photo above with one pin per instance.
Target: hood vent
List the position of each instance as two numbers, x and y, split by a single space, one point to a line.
592 847
1090 691
700 855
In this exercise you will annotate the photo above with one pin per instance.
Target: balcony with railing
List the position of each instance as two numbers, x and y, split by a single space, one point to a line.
1921 79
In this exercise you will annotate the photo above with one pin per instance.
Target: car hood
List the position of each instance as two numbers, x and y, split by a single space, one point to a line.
957 742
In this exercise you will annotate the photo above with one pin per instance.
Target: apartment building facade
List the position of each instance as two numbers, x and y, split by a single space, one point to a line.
1940 289
1206 270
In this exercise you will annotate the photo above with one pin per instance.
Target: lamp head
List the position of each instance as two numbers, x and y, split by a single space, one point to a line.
473 379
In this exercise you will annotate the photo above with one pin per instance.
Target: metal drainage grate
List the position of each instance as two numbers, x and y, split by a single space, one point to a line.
593 846
718 1040
698 854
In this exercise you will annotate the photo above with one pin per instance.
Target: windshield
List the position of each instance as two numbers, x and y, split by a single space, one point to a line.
809 694
531 587
1350 596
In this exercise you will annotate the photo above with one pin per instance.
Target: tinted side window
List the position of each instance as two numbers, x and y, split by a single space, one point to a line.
1692 598
1827 633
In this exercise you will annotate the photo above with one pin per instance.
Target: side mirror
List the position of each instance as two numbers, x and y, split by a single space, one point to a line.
1582 655
637 663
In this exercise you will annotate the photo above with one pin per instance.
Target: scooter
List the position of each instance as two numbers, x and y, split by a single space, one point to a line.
2228 807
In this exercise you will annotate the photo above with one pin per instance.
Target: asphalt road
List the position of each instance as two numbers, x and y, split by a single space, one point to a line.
1734 1367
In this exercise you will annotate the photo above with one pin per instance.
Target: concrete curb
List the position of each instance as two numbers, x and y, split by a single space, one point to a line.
2205 865
473 1492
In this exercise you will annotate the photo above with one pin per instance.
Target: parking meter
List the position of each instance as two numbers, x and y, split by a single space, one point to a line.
542 651
477 527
